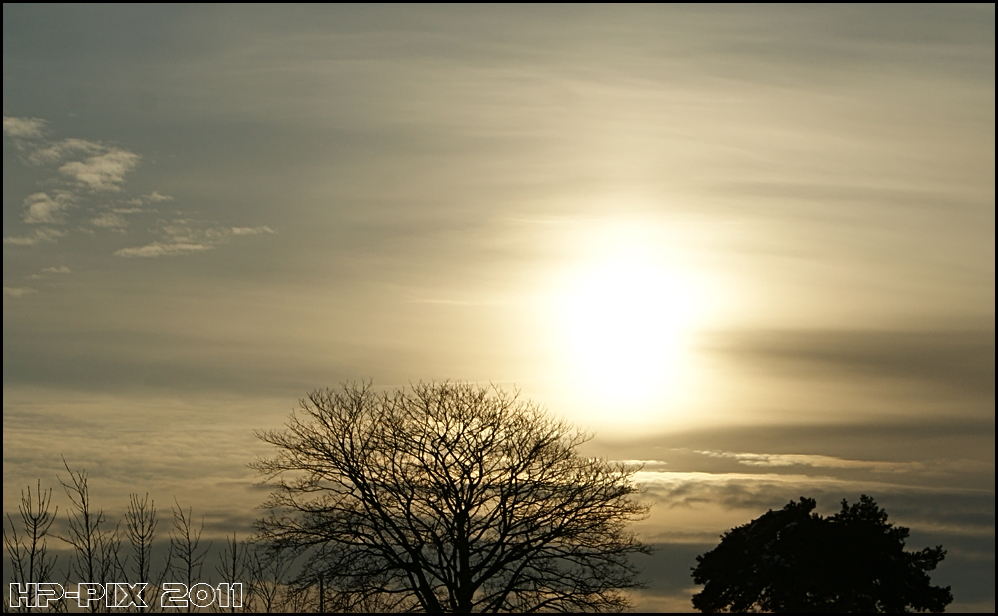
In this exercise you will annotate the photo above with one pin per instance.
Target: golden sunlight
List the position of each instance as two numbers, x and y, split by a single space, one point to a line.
625 319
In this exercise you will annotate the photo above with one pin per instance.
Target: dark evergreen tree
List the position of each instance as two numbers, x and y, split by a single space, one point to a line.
794 560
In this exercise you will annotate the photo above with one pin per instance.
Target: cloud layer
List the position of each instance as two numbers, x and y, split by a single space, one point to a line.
90 196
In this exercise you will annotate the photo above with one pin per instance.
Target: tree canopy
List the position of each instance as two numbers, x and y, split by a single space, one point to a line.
449 497
794 560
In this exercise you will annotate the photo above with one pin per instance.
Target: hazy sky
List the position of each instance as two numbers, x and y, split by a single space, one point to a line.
751 246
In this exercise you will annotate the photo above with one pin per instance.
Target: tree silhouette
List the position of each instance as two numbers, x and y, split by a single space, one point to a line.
186 557
95 548
449 497
28 550
140 528
793 560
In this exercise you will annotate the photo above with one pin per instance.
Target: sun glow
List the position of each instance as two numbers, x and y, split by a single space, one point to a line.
625 319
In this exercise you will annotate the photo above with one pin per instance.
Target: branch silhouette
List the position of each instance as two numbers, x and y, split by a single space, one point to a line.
449 497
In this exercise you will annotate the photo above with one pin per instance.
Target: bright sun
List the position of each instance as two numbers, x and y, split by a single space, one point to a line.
625 321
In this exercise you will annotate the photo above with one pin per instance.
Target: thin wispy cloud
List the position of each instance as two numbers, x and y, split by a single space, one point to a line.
91 177
52 153
814 461
184 236
47 272
645 464
156 197
250 230
61 269
18 292
109 220
136 203
157 249
37 236
690 487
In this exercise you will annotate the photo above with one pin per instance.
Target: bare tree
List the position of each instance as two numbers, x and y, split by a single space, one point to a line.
186 557
96 549
268 570
449 497
300 598
28 551
234 569
140 527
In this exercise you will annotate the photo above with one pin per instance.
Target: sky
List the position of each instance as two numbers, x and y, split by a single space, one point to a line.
751 247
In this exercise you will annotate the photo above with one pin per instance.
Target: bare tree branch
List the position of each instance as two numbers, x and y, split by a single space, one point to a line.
140 528
449 497
96 549
28 551
186 557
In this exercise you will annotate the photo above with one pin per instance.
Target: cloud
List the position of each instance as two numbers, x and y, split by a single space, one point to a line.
40 208
153 197
250 230
103 172
157 249
60 150
62 269
762 490
109 220
963 360
44 234
815 461
156 197
94 167
23 128
18 292
185 236
644 464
